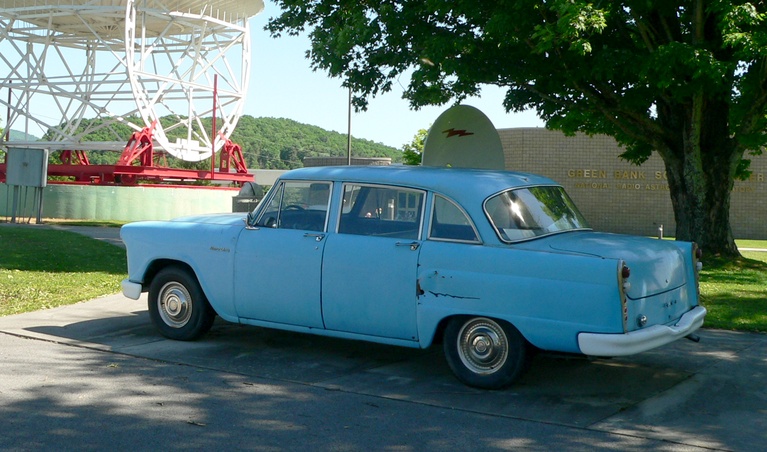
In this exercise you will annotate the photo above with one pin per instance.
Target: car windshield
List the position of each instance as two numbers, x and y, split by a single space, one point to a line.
532 212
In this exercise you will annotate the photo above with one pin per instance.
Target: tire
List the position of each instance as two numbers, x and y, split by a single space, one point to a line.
177 305
485 353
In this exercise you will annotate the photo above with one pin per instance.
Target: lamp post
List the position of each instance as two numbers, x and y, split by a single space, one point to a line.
349 132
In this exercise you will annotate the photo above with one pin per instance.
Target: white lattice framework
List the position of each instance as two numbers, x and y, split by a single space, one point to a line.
64 63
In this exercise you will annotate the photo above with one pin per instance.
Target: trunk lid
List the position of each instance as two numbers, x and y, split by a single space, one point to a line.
656 266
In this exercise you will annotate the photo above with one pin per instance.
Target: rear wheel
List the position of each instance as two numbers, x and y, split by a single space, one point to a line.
177 305
485 353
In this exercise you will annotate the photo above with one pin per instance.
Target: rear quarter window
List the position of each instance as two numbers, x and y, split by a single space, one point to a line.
450 223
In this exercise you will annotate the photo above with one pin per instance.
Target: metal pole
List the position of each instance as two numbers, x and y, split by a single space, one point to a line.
349 132
213 132
8 119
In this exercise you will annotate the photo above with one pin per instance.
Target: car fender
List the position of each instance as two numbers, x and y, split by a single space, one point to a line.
207 250
548 297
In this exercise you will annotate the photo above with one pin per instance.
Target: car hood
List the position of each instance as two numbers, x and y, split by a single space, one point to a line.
220 218
657 266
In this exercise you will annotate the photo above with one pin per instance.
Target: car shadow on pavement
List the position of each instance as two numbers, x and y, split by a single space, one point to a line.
557 388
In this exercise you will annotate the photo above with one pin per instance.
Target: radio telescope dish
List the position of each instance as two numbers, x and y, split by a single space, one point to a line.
462 136
75 70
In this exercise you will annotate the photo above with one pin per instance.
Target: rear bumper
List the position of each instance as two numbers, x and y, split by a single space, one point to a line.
600 344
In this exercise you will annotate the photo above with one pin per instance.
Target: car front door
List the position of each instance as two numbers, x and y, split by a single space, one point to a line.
278 263
370 265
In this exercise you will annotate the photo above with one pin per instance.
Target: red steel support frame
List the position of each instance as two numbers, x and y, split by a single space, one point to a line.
231 152
140 147
137 162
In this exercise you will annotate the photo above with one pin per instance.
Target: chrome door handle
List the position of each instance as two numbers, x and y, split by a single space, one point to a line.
317 237
413 245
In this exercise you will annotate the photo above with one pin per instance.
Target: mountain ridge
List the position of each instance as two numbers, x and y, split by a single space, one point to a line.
267 143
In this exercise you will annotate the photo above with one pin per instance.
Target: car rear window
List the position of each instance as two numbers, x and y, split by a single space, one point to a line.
532 212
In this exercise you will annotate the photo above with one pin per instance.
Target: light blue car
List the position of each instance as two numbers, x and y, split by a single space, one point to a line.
492 264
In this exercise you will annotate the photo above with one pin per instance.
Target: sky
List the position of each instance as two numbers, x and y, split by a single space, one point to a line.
282 85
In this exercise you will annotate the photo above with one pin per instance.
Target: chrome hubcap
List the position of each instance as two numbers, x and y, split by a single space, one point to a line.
175 305
482 346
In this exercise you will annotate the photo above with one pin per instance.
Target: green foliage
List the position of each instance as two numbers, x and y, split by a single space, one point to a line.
278 143
99 129
686 79
44 268
267 143
16 135
412 152
596 68
734 291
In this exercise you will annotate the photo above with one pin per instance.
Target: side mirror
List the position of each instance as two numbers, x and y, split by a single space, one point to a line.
250 220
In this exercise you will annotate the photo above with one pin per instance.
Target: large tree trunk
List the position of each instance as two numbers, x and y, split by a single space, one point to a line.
701 169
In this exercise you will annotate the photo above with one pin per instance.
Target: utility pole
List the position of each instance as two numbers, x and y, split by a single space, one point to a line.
349 132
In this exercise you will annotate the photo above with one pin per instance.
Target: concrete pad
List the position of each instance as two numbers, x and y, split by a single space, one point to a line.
722 406
63 397
707 394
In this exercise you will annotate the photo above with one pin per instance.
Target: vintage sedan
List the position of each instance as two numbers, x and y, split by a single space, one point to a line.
491 264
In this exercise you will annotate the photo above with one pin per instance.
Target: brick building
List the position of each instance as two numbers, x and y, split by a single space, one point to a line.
617 196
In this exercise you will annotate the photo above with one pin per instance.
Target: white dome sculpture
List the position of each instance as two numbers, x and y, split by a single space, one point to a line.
67 63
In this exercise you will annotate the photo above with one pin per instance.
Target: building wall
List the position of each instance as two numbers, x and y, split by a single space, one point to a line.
96 202
617 196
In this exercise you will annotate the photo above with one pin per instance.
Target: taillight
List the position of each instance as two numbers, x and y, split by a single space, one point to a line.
623 286
697 255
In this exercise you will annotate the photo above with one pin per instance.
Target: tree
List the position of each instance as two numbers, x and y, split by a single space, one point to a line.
684 78
412 152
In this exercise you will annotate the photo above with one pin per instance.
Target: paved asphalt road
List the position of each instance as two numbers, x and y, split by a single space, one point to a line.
96 375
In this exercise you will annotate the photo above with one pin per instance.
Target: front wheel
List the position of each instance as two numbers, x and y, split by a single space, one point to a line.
177 305
483 352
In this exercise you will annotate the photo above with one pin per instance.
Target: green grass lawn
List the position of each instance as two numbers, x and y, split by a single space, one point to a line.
42 268
762 244
735 291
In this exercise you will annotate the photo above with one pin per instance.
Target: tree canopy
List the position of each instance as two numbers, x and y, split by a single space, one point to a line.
684 78
412 153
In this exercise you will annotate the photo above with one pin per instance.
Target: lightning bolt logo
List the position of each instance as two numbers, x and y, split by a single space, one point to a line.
460 133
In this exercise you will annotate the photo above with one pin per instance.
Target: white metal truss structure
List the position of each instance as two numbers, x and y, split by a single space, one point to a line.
73 70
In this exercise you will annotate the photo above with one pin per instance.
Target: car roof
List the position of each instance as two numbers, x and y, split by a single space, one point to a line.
453 182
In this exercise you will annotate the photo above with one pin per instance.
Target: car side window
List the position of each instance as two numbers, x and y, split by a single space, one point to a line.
381 211
449 222
297 205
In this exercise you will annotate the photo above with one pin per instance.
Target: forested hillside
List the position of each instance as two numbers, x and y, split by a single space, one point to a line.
267 143
273 143
21 136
